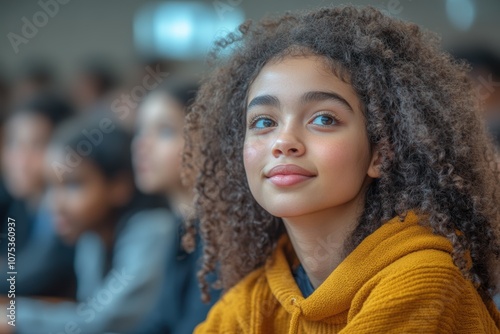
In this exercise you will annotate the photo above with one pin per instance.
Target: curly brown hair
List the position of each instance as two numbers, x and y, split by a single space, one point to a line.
420 110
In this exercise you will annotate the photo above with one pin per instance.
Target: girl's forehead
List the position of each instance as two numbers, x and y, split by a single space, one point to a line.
293 76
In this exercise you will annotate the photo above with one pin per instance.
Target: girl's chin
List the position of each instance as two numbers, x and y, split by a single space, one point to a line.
288 212
294 208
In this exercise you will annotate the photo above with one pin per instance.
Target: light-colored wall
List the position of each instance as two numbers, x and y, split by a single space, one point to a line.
104 27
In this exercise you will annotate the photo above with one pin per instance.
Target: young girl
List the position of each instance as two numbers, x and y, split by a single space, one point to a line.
346 184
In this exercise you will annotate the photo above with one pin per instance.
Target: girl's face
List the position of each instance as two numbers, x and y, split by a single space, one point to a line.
81 201
158 144
306 147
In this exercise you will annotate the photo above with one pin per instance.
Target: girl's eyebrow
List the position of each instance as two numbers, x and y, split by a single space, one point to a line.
264 100
313 96
316 96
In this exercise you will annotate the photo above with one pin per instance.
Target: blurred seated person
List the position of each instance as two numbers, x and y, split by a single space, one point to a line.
36 77
92 86
157 149
486 75
121 246
43 263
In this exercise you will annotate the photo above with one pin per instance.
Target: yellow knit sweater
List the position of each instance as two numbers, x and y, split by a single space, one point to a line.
400 279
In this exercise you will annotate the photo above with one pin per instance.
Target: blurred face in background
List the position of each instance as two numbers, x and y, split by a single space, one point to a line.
85 91
24 146
83 199
158 144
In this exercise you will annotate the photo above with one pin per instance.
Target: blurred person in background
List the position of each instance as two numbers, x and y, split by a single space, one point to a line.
157 148
36 77
43 262
146 77
486 75
92 86
121 242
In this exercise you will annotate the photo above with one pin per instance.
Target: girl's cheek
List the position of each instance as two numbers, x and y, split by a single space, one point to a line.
253 152
345 157
335 154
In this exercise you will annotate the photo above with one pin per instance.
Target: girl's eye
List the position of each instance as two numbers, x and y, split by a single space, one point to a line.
324 120
262 123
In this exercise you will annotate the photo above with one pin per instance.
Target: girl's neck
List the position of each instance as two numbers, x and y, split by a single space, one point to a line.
318 238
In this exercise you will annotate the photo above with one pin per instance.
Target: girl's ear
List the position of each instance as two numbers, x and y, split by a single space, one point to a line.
374 167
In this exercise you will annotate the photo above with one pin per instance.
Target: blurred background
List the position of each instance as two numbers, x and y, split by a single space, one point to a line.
127 31
78 238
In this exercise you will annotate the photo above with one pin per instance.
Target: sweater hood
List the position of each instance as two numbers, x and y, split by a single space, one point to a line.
331 301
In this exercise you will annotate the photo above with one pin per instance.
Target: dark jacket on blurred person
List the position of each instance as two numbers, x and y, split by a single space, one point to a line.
115 289
44 264
180 307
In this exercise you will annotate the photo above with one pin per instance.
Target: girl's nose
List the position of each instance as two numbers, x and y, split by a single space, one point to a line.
288 144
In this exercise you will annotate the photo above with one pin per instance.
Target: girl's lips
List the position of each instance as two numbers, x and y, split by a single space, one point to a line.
288 175
284 180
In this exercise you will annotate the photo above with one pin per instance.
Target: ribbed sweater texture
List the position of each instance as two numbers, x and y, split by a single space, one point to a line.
400 279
